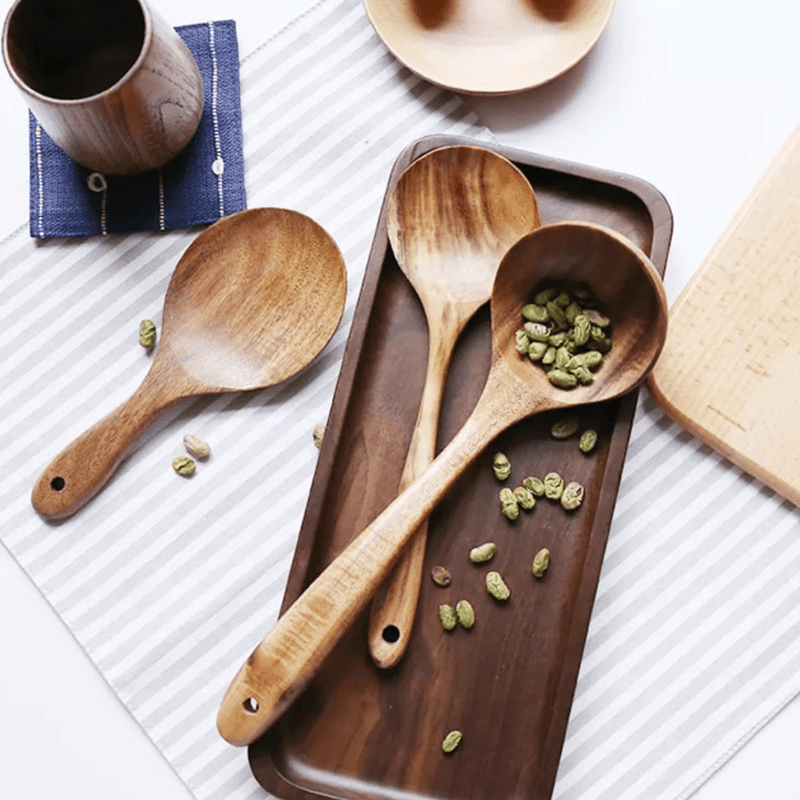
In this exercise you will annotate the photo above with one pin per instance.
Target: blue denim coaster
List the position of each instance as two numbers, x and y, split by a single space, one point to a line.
200 185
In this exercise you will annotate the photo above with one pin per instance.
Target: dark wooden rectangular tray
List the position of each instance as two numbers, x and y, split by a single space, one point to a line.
361 733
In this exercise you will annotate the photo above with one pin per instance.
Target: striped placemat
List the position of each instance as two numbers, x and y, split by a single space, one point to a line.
169 583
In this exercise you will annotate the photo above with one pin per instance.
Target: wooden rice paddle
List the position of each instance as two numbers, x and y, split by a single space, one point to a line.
451 217
252 301
630 291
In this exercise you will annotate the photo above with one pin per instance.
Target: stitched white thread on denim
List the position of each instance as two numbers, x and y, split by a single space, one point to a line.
218 167
162 225
103 228
97 183
40 179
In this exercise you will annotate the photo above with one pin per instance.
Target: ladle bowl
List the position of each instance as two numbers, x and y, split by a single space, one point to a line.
253 300
630 291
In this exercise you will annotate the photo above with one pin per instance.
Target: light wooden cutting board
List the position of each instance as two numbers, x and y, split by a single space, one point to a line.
730 369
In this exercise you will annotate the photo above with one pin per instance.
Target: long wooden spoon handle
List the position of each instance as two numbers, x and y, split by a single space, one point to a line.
79 471
281 666
395 604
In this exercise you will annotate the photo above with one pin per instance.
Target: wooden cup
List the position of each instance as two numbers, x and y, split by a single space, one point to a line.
110 81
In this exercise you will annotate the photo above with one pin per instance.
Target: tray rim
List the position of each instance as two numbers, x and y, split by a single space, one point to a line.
662 222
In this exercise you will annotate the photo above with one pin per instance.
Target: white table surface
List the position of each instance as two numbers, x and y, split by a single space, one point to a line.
693 95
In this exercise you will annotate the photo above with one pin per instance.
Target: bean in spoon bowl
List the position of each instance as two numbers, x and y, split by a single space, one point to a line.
622 280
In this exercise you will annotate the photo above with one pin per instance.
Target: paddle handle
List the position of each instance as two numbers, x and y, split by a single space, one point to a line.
286 660
395 605
82 468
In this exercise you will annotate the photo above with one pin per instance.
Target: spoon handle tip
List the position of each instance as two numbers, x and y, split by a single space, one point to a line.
77 474
84 467
392 613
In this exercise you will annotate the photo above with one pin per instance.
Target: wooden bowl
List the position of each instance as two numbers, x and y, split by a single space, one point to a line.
489 46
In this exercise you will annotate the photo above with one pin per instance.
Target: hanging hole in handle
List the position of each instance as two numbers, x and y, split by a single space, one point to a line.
250 705
58 484
391 633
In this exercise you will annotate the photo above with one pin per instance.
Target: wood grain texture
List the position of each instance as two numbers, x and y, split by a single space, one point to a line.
561 254
511 678
451 218
501 47
730 371
253 300
111 82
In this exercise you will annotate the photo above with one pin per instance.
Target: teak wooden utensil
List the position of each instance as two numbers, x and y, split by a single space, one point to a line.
252 301
628 286
450 218
501 47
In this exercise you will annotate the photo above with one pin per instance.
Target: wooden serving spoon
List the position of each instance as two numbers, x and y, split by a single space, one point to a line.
451 217
630 291
252 301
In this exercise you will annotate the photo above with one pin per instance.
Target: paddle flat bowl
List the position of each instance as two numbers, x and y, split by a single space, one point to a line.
252 301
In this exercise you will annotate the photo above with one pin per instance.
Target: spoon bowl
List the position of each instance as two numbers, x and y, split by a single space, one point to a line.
253 300
626 282
451 217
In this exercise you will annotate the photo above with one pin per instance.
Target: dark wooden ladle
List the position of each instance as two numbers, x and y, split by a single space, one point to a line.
630 290
253 300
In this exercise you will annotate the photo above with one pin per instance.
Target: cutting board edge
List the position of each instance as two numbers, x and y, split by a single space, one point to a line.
661 381
769 478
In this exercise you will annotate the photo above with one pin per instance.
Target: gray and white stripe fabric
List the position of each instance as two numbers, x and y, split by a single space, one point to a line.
169 583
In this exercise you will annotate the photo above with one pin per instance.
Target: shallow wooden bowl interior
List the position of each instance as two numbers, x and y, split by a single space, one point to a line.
489 46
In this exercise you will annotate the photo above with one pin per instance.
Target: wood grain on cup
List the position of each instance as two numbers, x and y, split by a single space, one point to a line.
110 81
